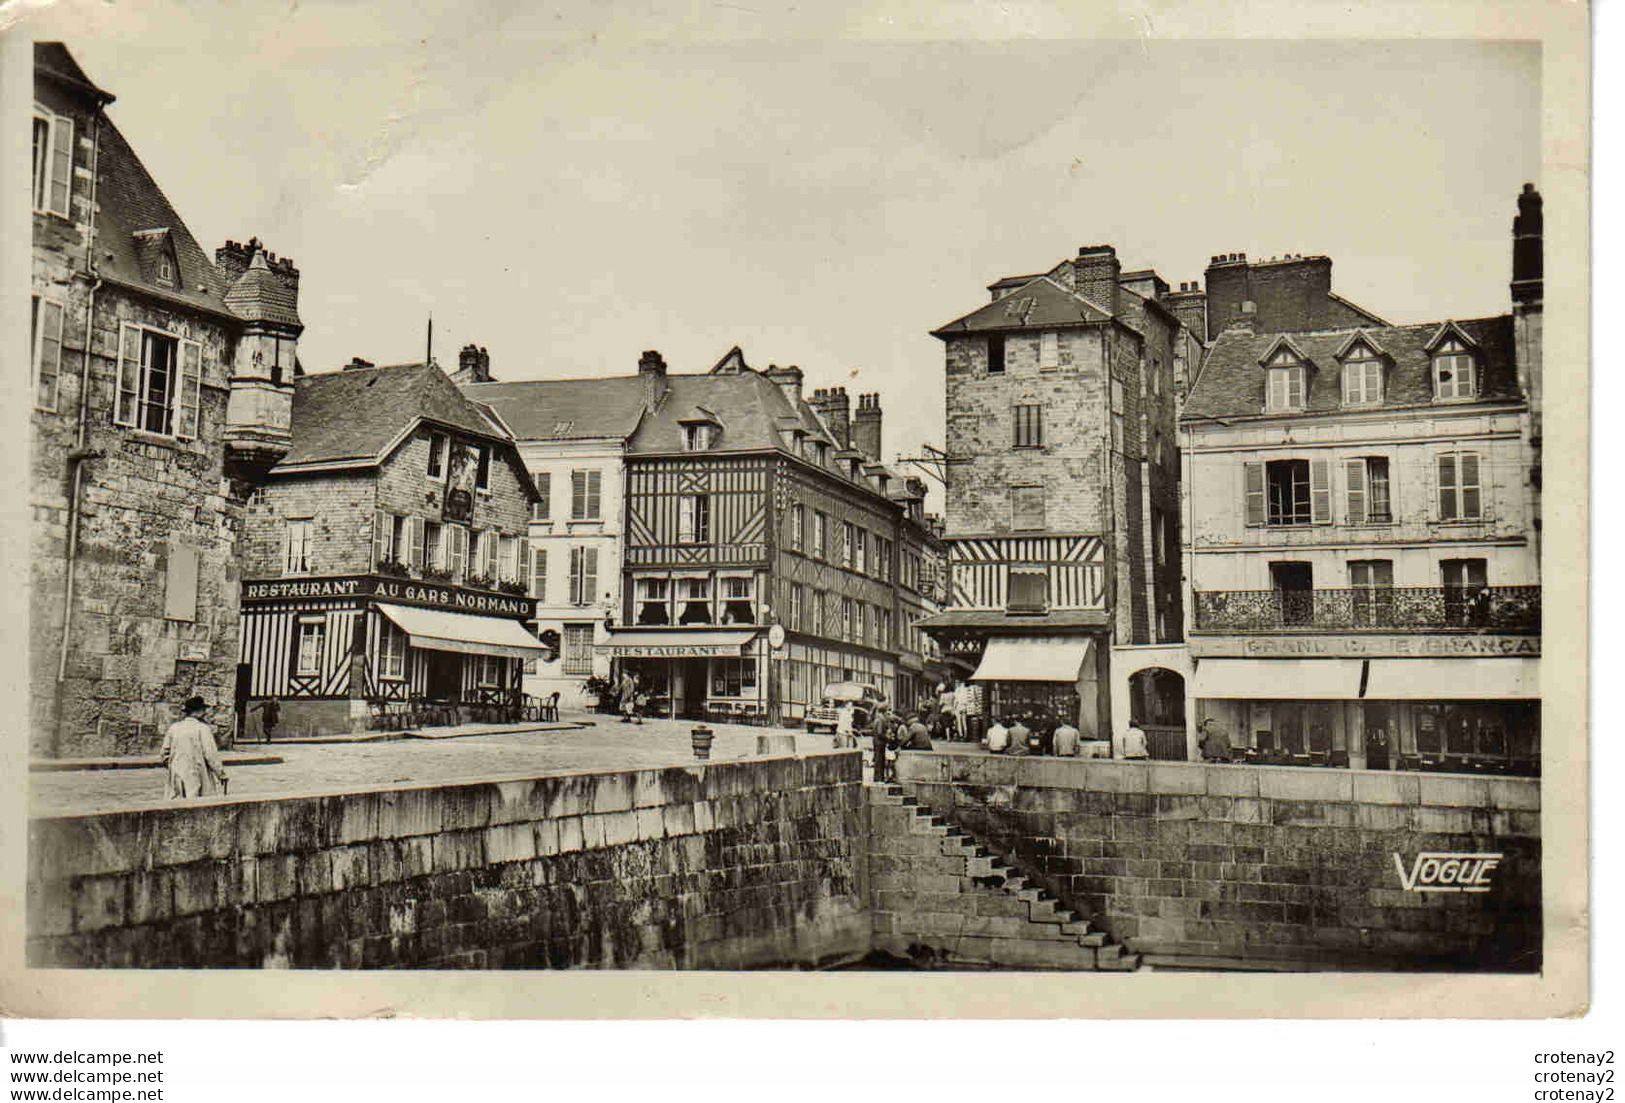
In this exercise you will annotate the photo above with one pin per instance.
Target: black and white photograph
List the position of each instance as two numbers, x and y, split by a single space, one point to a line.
520 497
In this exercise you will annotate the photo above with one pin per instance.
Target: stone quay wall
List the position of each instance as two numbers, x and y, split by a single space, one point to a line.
719 865
1294 867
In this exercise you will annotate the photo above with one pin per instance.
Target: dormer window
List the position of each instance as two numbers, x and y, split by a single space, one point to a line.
699 436
1362 378
166 269
1455 373
1286 381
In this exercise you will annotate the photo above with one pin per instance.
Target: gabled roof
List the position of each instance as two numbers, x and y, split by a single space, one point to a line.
1447 330
1361 337
1286 342
606 408
1231 383
53 59
1040 303
260 295
751 408
358 415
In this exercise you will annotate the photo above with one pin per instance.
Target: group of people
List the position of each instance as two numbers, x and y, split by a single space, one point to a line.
631 697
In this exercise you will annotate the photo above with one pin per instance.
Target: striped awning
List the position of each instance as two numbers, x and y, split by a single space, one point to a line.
437 630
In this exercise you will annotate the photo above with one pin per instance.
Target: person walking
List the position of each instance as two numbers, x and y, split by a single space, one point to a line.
190 755
845 736
964 705
628 696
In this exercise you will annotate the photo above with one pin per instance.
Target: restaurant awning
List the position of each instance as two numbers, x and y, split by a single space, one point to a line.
1281 679
467 633
1033 659
674 644
1452 679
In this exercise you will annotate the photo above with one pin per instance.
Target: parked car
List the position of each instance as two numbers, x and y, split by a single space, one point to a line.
864 698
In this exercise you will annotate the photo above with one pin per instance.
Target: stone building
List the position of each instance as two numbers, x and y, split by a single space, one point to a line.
1062 522
160 382
385 557
1363 499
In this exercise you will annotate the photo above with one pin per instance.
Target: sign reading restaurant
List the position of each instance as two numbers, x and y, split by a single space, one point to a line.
405 591
1287 647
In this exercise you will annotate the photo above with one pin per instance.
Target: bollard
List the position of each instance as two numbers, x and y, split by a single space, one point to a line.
702 737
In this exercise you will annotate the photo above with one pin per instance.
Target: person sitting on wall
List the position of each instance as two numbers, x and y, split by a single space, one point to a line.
1020 733
998 738
916 737
1215 743
190 755
1134 742
1068 740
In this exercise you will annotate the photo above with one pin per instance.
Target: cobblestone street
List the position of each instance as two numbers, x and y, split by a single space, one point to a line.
336 767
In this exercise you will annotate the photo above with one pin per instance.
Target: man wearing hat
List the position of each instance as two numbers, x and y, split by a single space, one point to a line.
191 756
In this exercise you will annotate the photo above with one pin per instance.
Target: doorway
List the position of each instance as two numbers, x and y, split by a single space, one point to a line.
689 688
445 676
1294 584
1378 730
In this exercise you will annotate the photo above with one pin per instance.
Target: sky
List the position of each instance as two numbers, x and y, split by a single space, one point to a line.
568 193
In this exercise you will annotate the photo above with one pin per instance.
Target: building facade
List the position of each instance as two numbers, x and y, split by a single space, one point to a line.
1062 521
160 379
386 556
1363 498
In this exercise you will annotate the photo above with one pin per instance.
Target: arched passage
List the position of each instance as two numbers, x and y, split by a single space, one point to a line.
1157 707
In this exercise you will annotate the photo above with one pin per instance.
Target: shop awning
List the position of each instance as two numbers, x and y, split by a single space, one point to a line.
1452 679
1033 659
1281 679
467 633
678 644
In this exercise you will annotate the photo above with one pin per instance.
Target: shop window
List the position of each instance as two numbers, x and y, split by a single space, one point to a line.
694 519
437 455
312 642
1372 584
1029 591
391 652
733 677
696 601
654 601
1027 508
160 377
1460 496
542 508
1466 593
1368 490
47 351
297 543
578 649
737 604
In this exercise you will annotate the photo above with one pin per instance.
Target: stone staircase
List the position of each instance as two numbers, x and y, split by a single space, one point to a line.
943 900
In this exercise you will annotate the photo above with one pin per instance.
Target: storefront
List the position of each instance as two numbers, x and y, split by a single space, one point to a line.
695 671
338 652
1041 680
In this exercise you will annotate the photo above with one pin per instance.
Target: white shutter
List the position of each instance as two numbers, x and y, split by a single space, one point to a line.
456 537
685 519
61 164
575 576
1472 496
1354 472
125 400
1449 506
381 532
589 575
538 574
189 399
521 573
1320 491
415 542
1253 492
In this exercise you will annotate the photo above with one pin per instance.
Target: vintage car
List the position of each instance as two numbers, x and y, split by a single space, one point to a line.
864 698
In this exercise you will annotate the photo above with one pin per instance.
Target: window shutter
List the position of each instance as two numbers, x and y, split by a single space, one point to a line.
1254 492
287 547
685 520
380 538
538 574
48 354
1448 509
491 546
414 526
521 572
129 375
575 576
1471 494
61 164
1320 491
457 549
595 480
589 575
189 400
1354 472
544 488
578 494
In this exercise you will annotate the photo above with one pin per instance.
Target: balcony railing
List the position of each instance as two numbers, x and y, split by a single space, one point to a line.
1513 609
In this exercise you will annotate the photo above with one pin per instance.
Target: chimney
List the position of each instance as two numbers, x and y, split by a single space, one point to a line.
1189 305
866 427
1528 261
652 370
789 381
835 408
1096 274
357 363
473 365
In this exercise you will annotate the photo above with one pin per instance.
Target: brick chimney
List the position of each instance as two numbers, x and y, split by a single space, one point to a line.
1096 273
473 365
652 370
789 381
1528 260
836 410
866 427
1189 305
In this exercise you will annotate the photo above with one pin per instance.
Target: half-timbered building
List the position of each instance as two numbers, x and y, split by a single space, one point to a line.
385 556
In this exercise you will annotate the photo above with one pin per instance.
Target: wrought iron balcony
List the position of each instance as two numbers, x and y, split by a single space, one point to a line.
1510 609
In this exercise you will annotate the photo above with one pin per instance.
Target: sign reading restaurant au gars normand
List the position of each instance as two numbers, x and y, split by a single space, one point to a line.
406 591
1375 646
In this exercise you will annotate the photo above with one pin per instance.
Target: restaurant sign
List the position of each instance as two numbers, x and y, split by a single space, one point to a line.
405 591
1361 646
667 650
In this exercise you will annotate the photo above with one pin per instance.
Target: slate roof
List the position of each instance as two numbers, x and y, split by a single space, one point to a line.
356 414
1041 303
1232 382
53 58
752 410
261 295
565 409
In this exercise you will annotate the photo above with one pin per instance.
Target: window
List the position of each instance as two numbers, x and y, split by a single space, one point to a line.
699 437
694 519
482 468
733 677
1460 497
995 354
1362 380
434 546
457 550
542 508
578 649
820 534
848 621
1368 500
437 455
1454 373
798 526
1158 537
297 545
508 560
798 606
1285 388
1288 492
283 360
860 622
737 604
1049 351
583 575
391 652
1029 427
489 671
1466 595
584 495
312 642
860 552
47 351
696 601
538 573
159 380
1029 591
53 162
847 542
1372 581
654 601
166 270
1027 508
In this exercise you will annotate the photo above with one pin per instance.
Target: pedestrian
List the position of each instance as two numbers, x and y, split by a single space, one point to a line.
880 735
845 737
190 756
1215 742
270 716
1134 742
1019 735
918 737
628 696
998 737
1068 740
964 705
